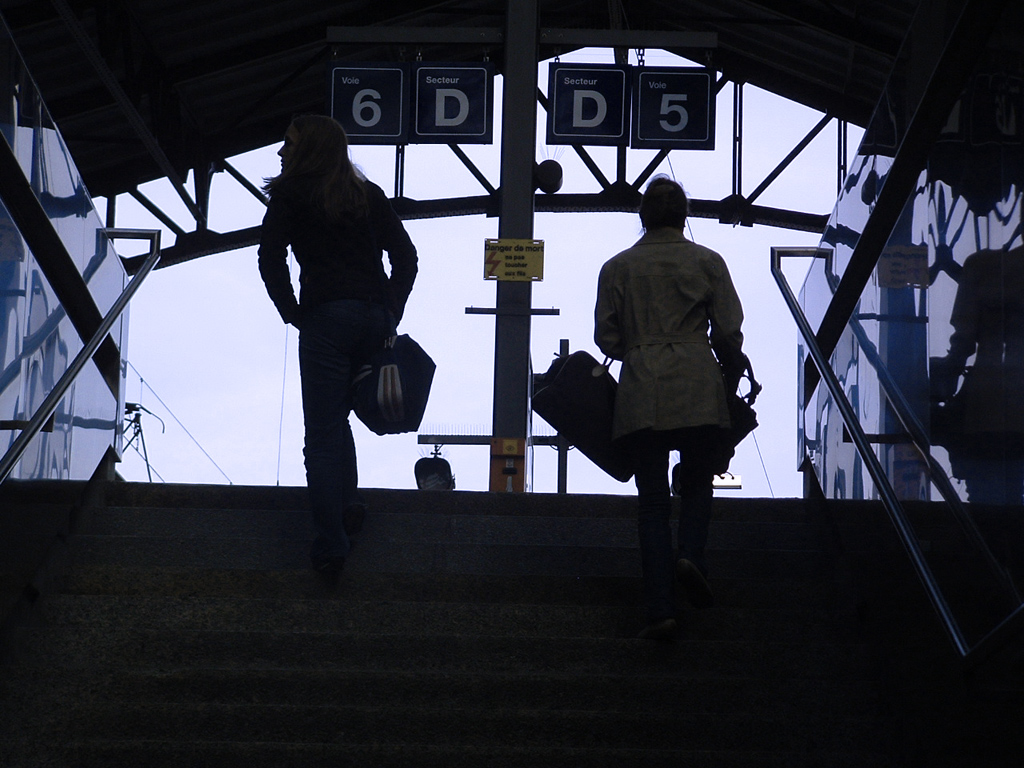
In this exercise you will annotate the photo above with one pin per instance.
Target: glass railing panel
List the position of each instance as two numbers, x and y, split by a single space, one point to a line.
37 339
933 359
17 267
38 342
981 583
816 292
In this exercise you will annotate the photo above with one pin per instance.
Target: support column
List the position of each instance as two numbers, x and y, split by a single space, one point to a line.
518 151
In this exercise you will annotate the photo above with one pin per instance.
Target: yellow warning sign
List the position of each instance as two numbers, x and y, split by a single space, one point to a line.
510 259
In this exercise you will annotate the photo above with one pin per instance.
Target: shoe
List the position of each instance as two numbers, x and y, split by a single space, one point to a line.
662 631
352 518
693 585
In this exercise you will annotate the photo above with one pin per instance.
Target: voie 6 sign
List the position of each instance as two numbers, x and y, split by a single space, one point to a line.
371 102
673 108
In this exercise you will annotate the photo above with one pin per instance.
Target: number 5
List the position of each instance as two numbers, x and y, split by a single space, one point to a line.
667 108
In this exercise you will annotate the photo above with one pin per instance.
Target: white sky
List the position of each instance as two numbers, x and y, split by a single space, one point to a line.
217 361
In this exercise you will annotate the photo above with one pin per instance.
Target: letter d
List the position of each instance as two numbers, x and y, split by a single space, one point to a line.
439 107
578 98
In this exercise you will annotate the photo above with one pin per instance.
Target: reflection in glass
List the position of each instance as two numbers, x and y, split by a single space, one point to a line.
979 411
944 299
932 360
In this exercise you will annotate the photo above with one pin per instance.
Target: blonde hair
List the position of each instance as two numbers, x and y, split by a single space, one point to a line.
321 153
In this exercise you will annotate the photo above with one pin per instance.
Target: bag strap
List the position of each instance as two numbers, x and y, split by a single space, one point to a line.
755 387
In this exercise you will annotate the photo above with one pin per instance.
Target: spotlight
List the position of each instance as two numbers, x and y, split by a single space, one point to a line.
547 176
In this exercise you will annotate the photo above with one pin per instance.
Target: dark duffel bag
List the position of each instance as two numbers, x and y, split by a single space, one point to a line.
576 396
390 394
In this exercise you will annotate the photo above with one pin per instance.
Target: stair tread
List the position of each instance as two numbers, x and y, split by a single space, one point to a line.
463 624
608 689
346 723
103 648
797 624
172 754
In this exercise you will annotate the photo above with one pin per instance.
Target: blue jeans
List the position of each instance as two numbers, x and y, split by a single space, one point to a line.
650 451
335 339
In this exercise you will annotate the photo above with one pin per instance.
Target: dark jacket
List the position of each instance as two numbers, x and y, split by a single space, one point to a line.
337 260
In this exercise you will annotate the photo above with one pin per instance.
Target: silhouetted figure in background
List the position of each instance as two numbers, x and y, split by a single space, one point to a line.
982 425
337 224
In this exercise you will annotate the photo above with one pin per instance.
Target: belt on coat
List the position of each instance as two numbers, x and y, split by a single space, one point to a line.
670 338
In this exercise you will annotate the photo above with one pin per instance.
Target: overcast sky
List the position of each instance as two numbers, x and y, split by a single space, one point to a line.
211 358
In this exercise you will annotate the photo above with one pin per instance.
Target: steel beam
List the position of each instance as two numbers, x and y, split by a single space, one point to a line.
125 104
194 245
511 406
569 38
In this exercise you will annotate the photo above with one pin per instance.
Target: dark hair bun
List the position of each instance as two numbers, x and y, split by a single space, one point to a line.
664 204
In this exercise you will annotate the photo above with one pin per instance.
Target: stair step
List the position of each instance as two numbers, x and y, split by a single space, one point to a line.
174 754
551 505
425 557
388 525
607 691
777 593
426 618
105 648
443 726
467 629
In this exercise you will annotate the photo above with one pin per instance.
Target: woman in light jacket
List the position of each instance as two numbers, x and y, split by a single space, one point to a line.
668 310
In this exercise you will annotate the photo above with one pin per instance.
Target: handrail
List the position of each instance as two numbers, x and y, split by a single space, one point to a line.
874 467
52 400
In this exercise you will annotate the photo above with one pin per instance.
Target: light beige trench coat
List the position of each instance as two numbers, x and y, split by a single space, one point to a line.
666 307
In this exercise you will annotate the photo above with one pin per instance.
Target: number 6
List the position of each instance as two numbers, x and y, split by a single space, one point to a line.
361 103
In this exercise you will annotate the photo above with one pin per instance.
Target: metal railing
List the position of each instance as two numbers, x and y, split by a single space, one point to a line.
991 641
53 399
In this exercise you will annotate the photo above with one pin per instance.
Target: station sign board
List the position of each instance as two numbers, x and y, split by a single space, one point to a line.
453 103
588 104
594 104
371 101
673 108
414 103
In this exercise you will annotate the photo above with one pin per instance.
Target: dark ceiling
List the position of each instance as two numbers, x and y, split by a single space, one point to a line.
209 79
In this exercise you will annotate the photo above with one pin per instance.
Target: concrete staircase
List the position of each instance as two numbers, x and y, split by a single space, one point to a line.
468 629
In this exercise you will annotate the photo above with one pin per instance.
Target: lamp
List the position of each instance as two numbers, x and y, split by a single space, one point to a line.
434 473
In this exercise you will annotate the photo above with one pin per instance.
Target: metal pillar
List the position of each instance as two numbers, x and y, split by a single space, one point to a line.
518 150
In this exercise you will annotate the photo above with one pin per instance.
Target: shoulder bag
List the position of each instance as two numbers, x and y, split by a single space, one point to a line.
390 393
576 396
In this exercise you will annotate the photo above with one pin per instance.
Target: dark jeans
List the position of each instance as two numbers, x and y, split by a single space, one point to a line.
334 340
650 450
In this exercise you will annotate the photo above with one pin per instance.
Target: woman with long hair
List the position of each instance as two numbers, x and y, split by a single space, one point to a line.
668 310
338 224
